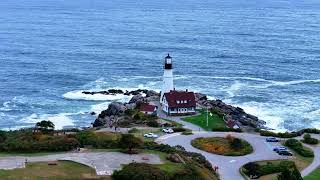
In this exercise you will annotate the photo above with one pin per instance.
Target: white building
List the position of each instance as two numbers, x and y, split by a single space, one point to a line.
179 103
167 84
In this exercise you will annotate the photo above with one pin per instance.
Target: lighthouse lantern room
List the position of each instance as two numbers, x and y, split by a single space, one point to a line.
167 85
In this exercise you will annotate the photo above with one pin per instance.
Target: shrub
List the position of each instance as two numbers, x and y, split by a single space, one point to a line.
129 141
153 123
226 129
187 133
27 141
133 130
97 140
309 140
298 147
290 173
280 135
140 171
179 129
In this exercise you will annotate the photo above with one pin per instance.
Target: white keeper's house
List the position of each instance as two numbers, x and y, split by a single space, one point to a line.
179 103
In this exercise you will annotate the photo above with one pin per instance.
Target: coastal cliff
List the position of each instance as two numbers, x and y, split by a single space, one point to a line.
116 114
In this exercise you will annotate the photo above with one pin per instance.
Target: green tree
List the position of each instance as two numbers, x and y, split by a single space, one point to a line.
292 174
45 126
129 141
3 136
236 143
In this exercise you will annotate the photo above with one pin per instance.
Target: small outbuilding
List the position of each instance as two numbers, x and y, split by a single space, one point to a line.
148 109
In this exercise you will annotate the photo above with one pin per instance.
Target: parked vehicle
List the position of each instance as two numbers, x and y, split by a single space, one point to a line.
285 153
150 135
168 130
272 139
280 148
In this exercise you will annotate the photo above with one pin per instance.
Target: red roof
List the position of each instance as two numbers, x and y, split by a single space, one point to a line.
231 123
180 99
148 108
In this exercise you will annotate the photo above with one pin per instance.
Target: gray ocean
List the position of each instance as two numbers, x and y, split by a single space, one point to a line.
260 55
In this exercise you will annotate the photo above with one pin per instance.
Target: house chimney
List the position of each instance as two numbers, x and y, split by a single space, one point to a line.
186 90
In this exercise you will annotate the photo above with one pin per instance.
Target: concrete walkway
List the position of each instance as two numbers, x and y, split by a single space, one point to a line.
316 161
103 162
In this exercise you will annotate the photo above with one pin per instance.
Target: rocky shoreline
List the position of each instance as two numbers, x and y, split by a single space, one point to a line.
116 115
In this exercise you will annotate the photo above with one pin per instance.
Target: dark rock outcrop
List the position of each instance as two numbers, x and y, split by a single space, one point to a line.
115 114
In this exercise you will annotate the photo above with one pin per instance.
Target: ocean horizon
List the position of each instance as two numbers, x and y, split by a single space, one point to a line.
260 56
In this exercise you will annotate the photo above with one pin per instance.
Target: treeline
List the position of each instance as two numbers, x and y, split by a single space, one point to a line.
29 141
288 134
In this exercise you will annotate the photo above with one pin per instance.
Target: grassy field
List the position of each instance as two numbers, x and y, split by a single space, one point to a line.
221 146
314 175
5 154
41 170
214 121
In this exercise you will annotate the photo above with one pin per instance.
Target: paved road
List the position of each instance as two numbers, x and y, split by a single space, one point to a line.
103 162
228 166
316 161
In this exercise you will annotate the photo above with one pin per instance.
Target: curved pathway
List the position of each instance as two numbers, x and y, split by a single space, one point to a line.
228 165
316 160
103 162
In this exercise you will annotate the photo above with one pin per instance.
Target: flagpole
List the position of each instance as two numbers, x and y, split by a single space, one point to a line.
207 117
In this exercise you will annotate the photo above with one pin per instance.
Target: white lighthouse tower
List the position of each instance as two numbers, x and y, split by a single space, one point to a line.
167 85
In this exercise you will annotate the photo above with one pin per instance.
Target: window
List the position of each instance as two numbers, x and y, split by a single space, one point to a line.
185 101
178 102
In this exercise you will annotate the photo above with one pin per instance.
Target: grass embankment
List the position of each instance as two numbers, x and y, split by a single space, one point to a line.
228 146
214 122
41 170
269 169
314 175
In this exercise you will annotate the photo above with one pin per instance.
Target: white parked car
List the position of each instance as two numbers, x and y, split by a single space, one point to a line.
168 130
150 135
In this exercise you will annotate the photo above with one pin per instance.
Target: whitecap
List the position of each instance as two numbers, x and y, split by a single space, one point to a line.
78 95
234 88
269 115
59 120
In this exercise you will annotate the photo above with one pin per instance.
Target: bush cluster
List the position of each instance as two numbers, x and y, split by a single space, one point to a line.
139 171
226 129
143 171
179 129
309 140
28 141
97 140
298 147
288 134
199 158
255 169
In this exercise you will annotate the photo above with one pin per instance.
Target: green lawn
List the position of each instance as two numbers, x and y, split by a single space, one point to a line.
314 175
5 154
41 170
214 121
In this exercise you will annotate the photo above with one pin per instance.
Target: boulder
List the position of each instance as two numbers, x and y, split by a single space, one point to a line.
151 93
200 97
115 108
136 98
